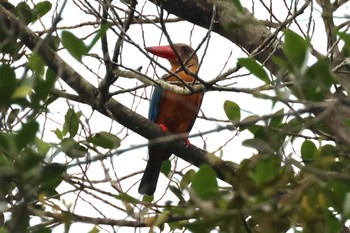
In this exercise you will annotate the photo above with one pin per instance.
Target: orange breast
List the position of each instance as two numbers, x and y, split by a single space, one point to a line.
178 112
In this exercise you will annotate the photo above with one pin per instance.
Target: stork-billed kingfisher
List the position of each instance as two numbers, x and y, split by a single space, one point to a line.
173 112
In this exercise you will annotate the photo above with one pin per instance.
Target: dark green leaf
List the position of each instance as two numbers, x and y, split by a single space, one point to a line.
346 39
255 68
318 80
27 134
7 84
74 45
24 13
295 48
308 151
53 42
338 190
29 160
293 126
42 230
42 8
232 110
333 224
71 123
166 167
265 170
204 182
329 150
178 193
4 160
52 176
105 140
12 116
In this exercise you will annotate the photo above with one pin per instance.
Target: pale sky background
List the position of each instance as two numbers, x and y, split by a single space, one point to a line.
221 55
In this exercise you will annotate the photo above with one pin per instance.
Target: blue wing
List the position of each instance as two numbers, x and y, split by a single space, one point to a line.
154 105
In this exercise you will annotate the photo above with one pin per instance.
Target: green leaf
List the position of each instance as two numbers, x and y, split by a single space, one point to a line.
36 64
317 81
249 120
59 134
72 148
147 199
99 34
265 170
22 91
127 198
178 193
42 230
258 144
294 126
204 182
333 223
255 68
232 110
43 147
7 84
276 119
346 39
42 8
346 207
52 176
295 48
95 229
105 140
187 178
166 167
71 123
74 45
24 13
29 160
308 151
27 134
43 87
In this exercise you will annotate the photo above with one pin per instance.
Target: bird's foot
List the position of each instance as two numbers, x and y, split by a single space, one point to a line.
164 128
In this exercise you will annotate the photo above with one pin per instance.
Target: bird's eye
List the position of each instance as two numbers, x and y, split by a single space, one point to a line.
185 49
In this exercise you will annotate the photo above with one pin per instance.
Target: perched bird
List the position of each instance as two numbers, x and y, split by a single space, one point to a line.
173 112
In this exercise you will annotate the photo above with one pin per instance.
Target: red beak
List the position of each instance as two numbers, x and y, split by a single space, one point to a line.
164 51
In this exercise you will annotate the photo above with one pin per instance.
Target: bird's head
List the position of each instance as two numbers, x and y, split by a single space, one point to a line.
186 54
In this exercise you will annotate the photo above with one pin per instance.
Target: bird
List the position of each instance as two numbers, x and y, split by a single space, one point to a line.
173 112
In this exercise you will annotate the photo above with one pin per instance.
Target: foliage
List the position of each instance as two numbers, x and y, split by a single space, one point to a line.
58 157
